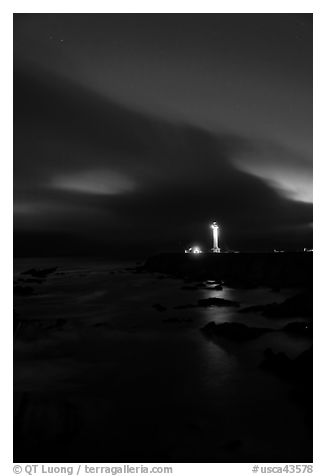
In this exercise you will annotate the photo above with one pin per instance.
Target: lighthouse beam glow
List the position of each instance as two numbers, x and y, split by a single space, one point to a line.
215 248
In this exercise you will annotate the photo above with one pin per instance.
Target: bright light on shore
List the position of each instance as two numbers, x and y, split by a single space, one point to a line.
195 250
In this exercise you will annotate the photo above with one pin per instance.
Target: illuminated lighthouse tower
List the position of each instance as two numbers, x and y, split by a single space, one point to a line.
215 248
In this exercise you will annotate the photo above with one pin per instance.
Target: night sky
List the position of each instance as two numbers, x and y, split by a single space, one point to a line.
132 133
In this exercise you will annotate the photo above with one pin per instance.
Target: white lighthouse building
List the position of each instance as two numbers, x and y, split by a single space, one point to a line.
215 248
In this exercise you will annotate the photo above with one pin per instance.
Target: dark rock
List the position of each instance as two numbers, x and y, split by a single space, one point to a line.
32 280
134 269
300 305
276 289
40 273
238 283
188 279
185 306
107 325
298 369
23 290
159 307
140 270
16 321
299 328
278 363
51 323
44 324
176 319
234 331
259 308
303 365
217 302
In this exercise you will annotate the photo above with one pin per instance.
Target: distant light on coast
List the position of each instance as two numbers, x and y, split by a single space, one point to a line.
215 249
195 250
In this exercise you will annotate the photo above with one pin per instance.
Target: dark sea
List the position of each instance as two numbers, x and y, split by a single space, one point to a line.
100 375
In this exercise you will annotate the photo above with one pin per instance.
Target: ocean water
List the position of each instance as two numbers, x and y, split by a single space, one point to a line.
120 381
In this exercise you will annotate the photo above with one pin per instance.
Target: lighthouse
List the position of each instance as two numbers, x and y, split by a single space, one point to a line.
215 248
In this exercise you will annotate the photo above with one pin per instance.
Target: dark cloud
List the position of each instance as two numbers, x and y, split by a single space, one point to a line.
93 176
